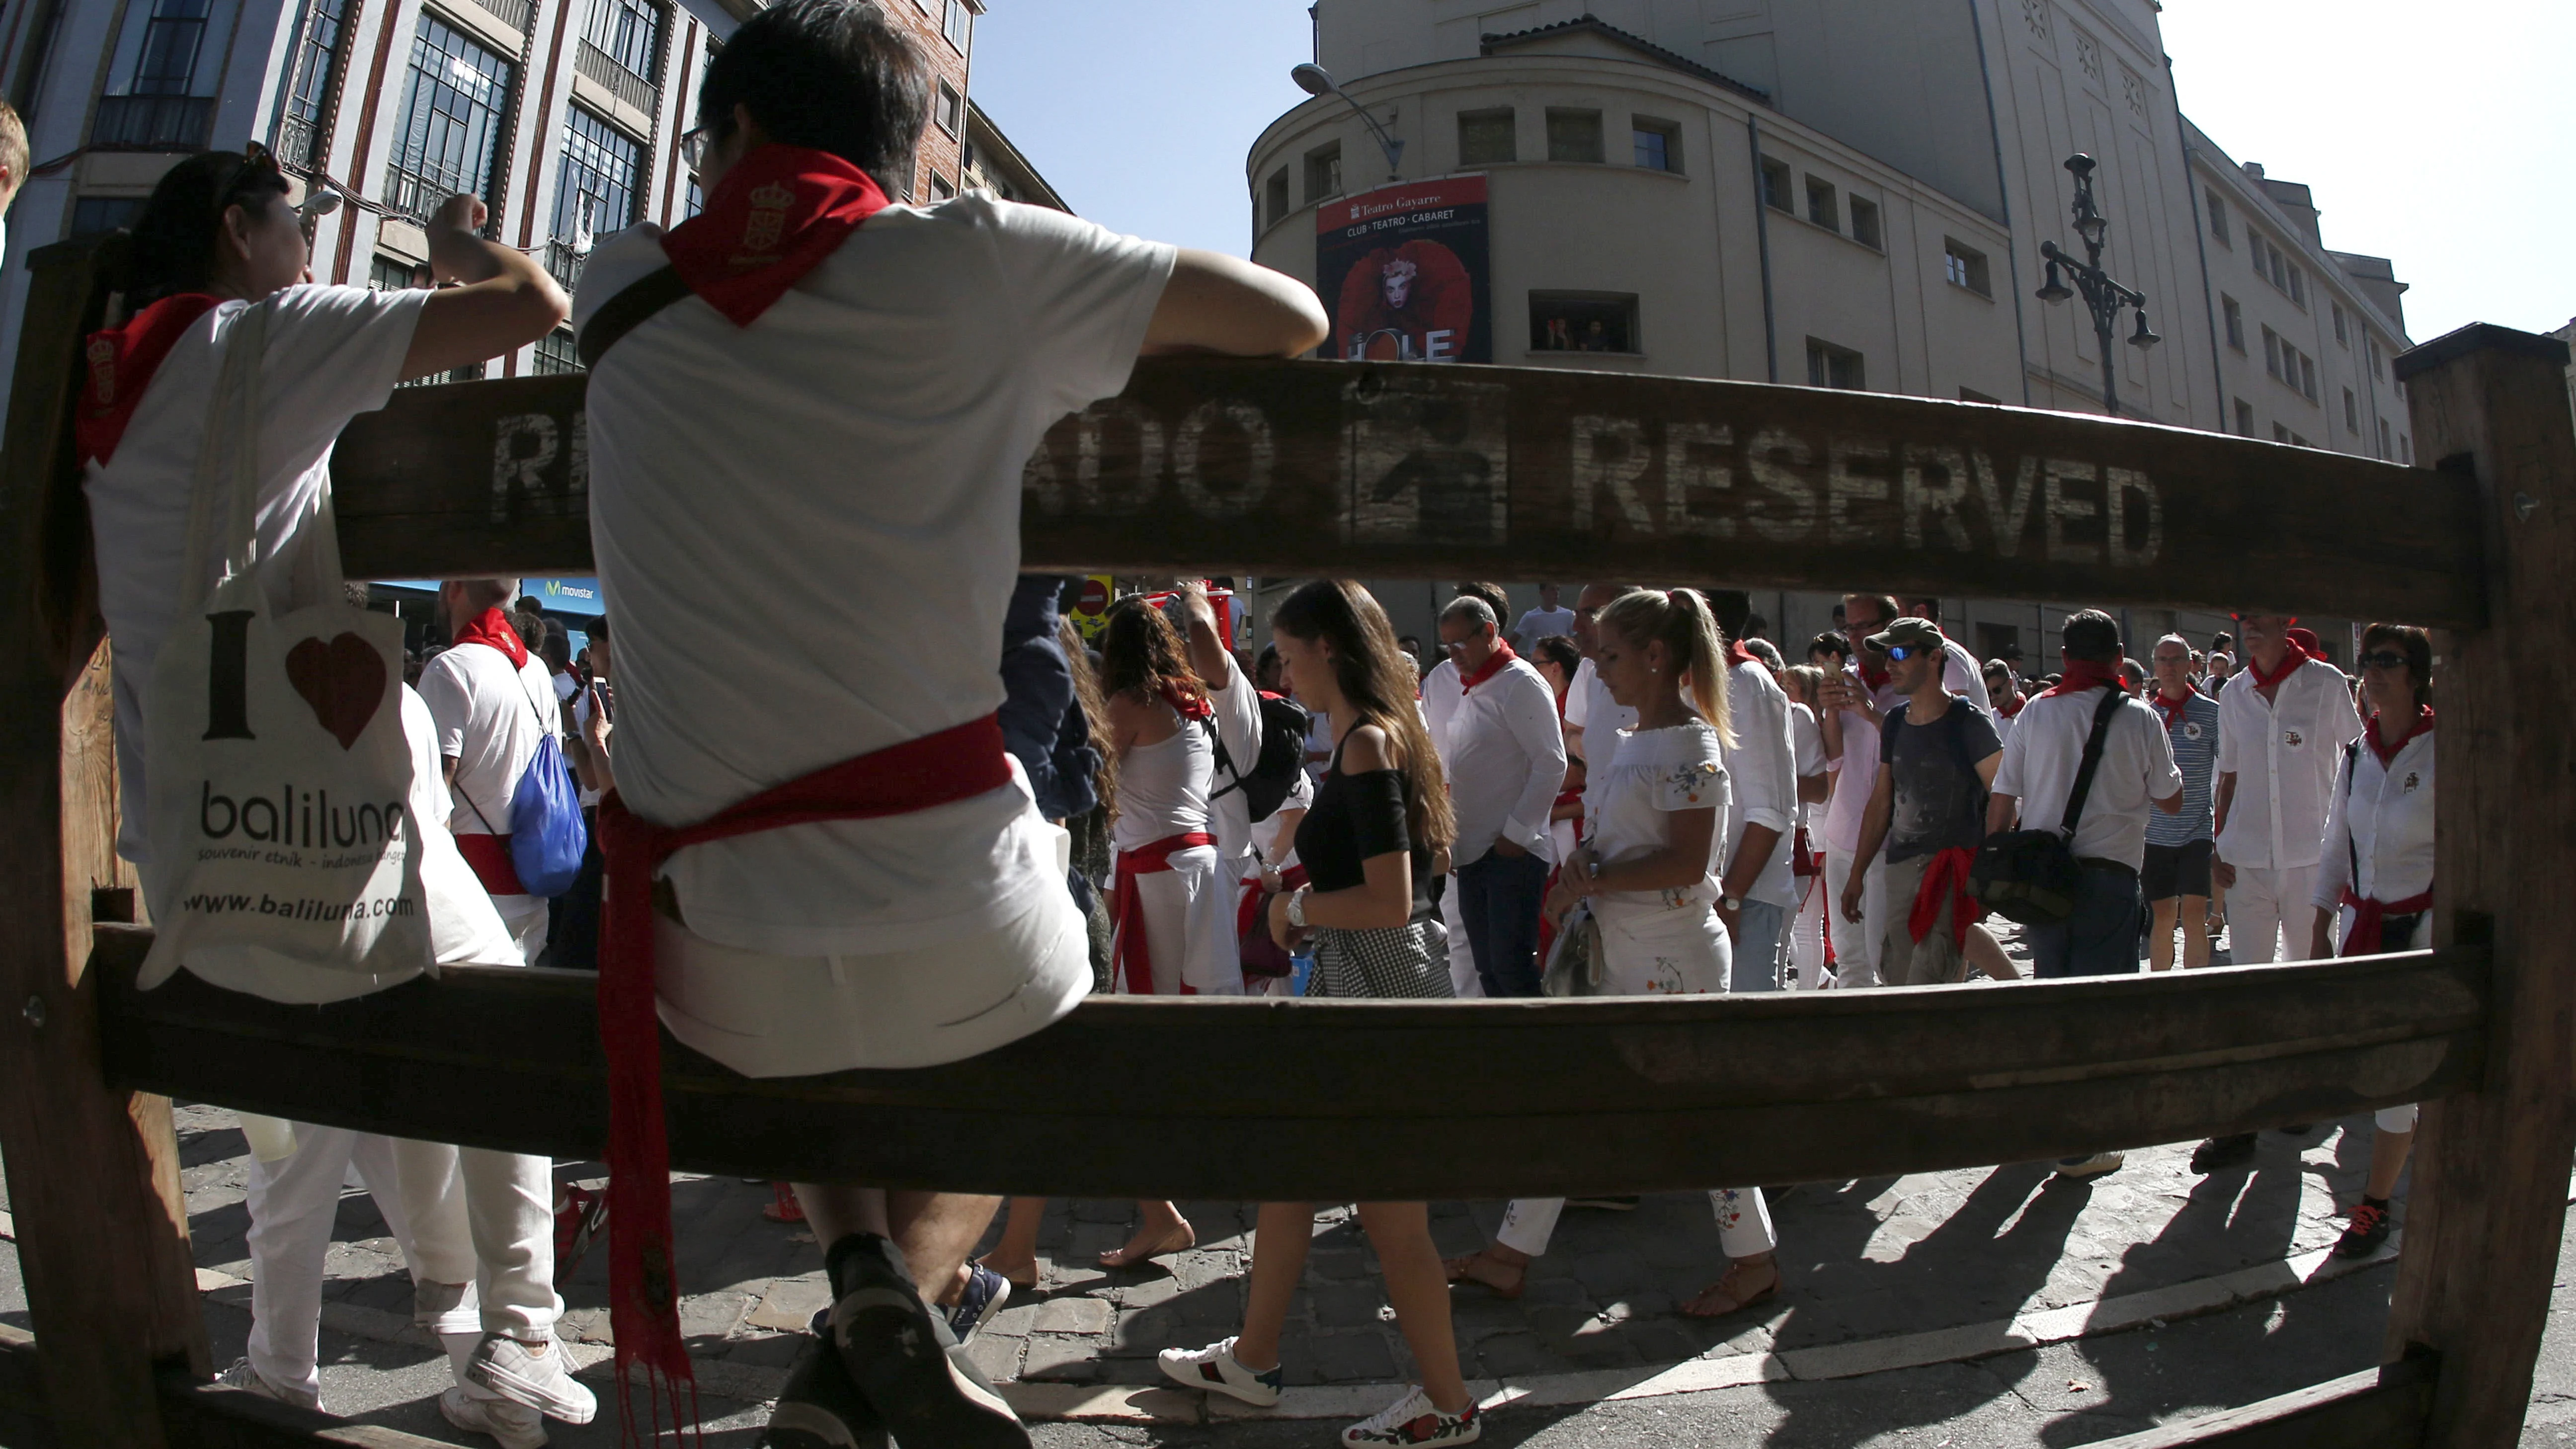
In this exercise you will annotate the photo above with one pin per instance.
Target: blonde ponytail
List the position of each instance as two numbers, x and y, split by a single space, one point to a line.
1681 618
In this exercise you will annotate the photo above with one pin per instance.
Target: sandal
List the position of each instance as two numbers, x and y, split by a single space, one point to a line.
1463 1270
1179 1240
1737 1301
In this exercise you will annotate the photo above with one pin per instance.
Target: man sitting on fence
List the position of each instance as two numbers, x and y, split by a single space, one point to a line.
812 435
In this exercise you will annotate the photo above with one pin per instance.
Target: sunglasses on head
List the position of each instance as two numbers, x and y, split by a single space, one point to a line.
2384 659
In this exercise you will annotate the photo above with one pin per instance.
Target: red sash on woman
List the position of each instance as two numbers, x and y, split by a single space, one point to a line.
1246 909
2369 919
1945 877
1135 965
643 1273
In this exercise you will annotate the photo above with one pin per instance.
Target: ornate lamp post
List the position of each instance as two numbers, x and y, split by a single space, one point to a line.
2103 295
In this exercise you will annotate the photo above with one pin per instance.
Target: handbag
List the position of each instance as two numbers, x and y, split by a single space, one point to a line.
1575 964
2032 876
280 817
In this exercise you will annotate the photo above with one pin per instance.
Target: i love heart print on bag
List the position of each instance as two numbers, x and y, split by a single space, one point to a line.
281 815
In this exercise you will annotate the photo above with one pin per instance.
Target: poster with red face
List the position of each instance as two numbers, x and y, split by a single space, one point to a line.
1405 270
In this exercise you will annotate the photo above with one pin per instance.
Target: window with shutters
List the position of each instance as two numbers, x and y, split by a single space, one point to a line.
1574 136
1488 138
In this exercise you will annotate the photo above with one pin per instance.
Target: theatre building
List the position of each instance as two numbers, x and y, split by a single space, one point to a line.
1829 193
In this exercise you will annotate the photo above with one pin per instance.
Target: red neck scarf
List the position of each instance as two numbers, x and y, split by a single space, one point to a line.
2171 709
2007 711
776 215
1492 666
2387 753
1876 679
2293 654
643 1272
494 631
121 363
1188 706
1736 653
2084 674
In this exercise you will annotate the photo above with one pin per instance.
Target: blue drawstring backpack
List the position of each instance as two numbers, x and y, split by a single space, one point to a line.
547 836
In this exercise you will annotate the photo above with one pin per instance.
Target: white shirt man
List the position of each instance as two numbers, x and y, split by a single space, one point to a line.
1547 619
1762 767
2277 754
490 715
1506 760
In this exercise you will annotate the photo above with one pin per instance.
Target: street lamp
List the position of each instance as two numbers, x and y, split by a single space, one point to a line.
1314 80
2103 296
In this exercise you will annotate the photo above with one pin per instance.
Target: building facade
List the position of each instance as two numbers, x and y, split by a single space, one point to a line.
565 116
1852 194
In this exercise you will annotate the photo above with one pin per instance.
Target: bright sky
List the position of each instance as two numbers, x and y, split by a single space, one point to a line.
2441 136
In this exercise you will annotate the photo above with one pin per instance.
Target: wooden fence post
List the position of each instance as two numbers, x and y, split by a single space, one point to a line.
102 1227
2491 1166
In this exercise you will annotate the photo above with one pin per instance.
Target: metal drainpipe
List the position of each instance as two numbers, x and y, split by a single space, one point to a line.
1762 238
2003 193
2200 244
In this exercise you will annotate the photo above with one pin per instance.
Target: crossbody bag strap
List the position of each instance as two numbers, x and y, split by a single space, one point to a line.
2351 844
628 310
2109 709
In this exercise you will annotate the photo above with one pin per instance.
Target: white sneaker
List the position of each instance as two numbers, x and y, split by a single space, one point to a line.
1214 1368
1412 1420
516 1425
247 1379
445 1308
2081 1168
531 1374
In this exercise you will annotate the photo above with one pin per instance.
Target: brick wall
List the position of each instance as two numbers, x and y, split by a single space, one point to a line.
941 151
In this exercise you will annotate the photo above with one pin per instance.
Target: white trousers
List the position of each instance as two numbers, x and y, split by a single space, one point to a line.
2270 916
1464 982
485 1218
1807 936
1743 1222
1189 915
1856 948
293 1204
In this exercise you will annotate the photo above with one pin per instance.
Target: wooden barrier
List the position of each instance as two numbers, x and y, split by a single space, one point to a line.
1389 470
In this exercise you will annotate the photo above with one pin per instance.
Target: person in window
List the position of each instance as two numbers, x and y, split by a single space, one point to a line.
1373 843
218 237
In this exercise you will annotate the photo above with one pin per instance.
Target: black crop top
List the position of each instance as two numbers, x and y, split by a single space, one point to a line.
1355 817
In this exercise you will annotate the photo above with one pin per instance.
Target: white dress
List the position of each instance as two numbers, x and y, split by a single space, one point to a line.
1663 942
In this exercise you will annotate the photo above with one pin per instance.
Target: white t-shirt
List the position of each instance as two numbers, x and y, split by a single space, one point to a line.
333 353
1856 771
2137 769
490 719
808 530
1658 772
1538 624
1761 772
1587 702
1238 728
1807 739
1439 693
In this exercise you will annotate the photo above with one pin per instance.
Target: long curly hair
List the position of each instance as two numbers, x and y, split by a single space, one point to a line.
1374 675
1095 712
1142 657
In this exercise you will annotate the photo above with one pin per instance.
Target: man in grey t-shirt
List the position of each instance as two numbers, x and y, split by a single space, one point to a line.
1937 758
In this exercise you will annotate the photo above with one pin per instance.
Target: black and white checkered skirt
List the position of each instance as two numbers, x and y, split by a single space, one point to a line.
1406 962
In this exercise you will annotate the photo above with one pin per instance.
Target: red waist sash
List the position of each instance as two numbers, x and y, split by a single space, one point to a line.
1945 876
643 1273
488 856
1135 965
2369 917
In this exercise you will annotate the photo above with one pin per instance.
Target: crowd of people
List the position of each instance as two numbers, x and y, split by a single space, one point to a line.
812 843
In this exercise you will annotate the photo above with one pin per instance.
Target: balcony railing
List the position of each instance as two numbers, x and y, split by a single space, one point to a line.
626 85
565 263
152 123
512 13
296 140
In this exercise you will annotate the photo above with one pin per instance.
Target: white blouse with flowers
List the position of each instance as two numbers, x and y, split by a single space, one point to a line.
1655 773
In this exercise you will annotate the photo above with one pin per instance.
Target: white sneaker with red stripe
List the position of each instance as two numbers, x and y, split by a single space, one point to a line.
1412 1420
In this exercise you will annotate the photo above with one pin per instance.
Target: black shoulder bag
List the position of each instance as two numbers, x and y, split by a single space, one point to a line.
2032 876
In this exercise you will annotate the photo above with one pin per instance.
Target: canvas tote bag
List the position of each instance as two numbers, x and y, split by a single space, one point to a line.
281 779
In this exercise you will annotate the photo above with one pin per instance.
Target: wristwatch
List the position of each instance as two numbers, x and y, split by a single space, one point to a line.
1297 907
1732 903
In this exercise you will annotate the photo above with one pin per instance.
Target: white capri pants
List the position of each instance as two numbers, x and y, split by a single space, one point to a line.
1649 948
2268 914
2388 1119
1856 948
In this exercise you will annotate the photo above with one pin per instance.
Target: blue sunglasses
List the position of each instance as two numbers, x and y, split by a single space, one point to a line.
1903 652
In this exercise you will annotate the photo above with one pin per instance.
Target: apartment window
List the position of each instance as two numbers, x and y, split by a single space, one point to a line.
2297 442
1323 173
1822 205
556 353
451 124
1775 184
2343 336
1658 144
2280 267
601 182
2218 218
951 109
2244 418
2373 343
172 36
2351 412
694 201
959 26
2308 376
1488 138
2271 352
2235 315
392 274
1966 267
2383 439
99 215
1831 366
2405 450
628 32
1864 219
1275 196
1583 322
2299 288
309 85
1574 136
940 189
2280 432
